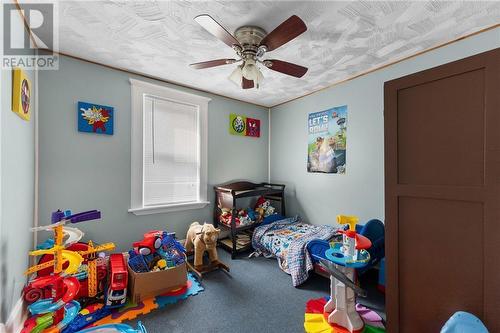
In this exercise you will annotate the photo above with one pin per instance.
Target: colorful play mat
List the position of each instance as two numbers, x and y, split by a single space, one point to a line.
315 321
131 310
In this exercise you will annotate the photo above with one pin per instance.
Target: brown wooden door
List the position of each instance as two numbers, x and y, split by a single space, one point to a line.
442 195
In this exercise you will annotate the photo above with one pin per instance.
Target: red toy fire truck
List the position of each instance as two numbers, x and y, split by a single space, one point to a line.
117 282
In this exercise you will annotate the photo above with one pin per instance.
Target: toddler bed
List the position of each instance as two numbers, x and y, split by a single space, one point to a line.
295 243
287 239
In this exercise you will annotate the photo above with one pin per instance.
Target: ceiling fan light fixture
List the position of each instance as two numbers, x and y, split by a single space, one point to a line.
250 71
236 76
250 44
258 80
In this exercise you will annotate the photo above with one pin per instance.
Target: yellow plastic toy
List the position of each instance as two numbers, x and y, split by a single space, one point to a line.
73 258
60 255
350 220
92 271
92 263
162 264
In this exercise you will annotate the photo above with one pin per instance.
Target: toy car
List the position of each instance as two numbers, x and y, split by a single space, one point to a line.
116 294
149 244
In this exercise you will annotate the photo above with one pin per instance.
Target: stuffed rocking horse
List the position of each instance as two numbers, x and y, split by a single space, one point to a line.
201 238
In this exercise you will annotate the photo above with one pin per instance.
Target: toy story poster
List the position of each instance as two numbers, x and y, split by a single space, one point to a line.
326 152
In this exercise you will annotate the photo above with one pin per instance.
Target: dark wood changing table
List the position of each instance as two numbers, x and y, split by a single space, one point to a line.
226 196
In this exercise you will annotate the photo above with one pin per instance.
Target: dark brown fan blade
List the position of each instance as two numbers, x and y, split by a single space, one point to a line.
246 84
212 26
284 33
285 67
212 63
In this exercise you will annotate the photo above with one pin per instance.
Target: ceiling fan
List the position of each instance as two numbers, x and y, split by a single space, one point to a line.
250 44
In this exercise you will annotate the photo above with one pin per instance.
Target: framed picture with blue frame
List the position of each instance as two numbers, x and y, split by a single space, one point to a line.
95 118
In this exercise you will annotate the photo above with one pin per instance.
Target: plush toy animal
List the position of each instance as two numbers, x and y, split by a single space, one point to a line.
202 238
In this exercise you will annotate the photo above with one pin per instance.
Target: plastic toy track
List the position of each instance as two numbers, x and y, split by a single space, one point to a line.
32 295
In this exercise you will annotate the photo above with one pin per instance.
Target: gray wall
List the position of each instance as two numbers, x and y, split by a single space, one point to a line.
83 171
320 197
17 164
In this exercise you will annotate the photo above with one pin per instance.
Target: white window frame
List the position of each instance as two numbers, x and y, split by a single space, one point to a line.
139 89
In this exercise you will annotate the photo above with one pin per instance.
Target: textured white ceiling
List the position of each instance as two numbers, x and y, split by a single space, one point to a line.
160 38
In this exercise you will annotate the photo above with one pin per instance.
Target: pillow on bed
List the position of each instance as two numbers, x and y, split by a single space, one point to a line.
272 218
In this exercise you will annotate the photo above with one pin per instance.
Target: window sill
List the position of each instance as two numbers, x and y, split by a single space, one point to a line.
167 208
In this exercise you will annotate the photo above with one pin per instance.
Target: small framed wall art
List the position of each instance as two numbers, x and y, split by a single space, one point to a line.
95 118
244 126
21 93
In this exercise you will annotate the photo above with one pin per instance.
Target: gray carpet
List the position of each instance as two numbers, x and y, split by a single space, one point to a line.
256 296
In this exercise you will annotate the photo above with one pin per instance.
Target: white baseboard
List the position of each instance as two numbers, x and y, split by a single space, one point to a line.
16 319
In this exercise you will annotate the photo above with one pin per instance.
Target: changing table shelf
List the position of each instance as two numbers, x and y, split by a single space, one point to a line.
226 196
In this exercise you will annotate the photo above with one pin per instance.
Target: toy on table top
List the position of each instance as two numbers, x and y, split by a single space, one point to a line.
341 261
116 295
353 247
373 229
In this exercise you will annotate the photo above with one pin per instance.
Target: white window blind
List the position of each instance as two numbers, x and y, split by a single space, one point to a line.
168 168
171 152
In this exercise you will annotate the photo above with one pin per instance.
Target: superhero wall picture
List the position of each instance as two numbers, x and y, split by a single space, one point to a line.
94 118
326 151
244 126
21 94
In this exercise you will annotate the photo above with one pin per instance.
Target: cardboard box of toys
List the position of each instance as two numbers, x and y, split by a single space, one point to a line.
156 265
150 284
